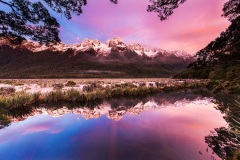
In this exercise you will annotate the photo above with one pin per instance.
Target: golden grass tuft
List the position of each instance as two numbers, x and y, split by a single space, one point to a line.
21 99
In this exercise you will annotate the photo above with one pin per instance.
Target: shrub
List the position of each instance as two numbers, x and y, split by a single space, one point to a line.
96 85
70 84
6 90
142 84
193 73
88 88
58 86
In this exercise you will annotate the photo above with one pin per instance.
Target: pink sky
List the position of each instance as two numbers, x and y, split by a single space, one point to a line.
192 26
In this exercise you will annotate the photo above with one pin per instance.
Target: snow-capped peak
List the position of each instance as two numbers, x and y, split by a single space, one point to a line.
180 53
151 52
88 44
116 42
137 48
104 49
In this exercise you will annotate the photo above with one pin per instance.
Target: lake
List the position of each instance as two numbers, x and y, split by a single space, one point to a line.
166 126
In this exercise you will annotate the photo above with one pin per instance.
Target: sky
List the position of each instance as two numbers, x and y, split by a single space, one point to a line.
192 26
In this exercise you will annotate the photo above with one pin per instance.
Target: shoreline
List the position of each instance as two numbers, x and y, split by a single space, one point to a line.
93 91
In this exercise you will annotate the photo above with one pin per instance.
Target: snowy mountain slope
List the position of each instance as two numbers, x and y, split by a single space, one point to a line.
88 59
104 49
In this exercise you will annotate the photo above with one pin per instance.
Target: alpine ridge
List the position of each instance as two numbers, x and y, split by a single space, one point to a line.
114 44
88 59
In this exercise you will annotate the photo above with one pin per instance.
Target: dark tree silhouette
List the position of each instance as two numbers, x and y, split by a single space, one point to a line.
223 142
28 19
164 8
226 141
231 9
114 1
66 7
224 51
33 20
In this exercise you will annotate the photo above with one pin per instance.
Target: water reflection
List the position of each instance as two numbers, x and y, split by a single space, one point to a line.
4 120
163 126
225 141
114 108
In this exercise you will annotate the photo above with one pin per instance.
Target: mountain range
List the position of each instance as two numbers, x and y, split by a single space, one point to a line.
88 59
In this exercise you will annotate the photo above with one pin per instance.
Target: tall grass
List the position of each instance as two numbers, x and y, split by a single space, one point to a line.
21 99
74 96
16 100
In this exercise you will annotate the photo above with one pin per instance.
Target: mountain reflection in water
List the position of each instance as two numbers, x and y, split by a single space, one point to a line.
164 126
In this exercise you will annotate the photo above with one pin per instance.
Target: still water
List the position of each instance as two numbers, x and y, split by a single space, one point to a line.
162 127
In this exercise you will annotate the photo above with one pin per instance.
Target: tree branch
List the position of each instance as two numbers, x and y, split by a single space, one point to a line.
12 6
